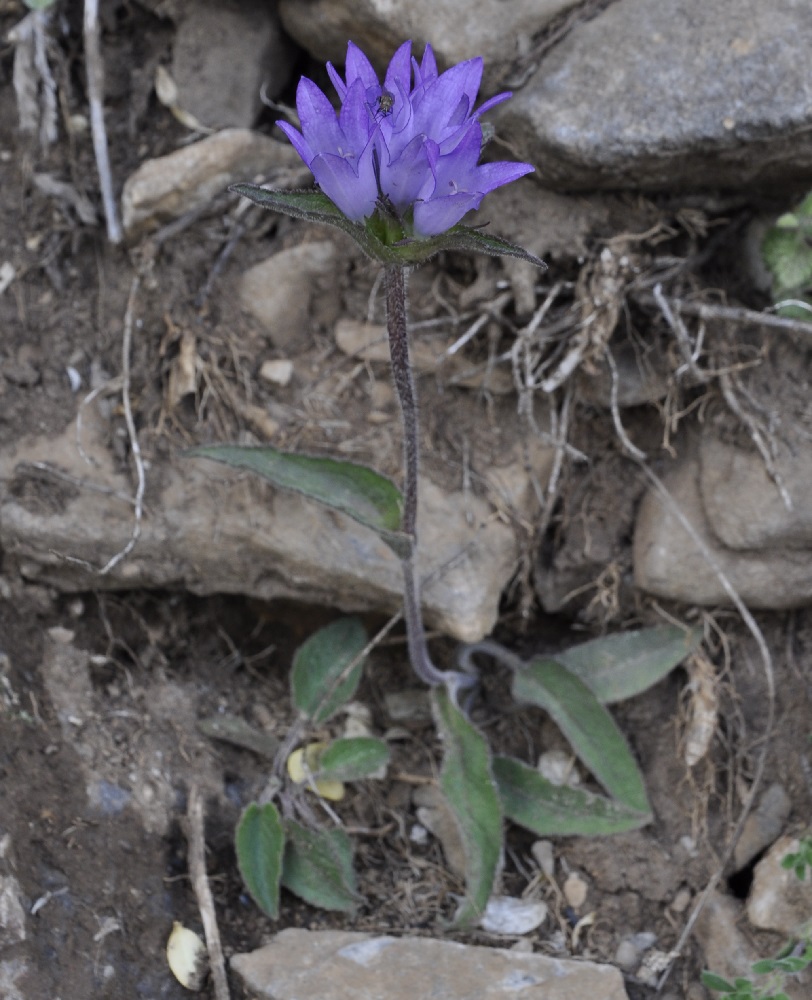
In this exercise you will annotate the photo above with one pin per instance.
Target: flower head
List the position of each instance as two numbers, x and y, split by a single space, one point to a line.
402 156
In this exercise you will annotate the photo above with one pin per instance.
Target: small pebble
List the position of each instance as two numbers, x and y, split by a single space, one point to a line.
681 901
558 768
277 372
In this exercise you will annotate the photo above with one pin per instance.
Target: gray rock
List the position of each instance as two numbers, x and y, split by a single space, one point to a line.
742 501
213 530
779 900
499 32
726 950
668 563
220 84
341 965
280 291
188 179
692 93
763 825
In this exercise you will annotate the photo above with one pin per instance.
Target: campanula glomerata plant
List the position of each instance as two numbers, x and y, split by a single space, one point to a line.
398 168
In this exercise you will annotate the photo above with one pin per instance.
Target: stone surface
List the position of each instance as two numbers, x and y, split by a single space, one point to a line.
281 291
668 563
779 900
764 824
188 179
726 950
210 530
742 502
341 965
488 28
220 84
693 93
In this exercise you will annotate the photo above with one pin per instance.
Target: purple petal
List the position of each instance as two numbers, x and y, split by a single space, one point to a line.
319 122
358 67
298 141
399 72
338 83
442 97
354 119
353 196
459 115
492 102
428 67
494 175
403 177
435 216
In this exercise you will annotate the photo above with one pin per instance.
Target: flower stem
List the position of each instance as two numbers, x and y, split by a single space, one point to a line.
404 385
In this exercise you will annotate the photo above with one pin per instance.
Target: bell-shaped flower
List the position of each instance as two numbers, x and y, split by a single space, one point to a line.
400 157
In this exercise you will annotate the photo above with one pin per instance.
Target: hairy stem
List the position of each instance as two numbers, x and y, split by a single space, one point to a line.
404 385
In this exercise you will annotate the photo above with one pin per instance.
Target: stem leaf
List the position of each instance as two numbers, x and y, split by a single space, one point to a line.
318 688
363 494
549 810
587 725
317 867
259 842
621 666
467 782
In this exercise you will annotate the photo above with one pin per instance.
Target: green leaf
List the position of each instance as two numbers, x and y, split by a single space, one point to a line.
366 496
466 781
317 682
317 867
317 207
621 666
352 758
259 842
550 810
714 982
789 258
590 729
477 241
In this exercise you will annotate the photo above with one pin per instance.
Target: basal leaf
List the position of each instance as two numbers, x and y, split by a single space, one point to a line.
621 666
590 729
259 842
318 687
467 783
317 867
352 758
549 810
355 490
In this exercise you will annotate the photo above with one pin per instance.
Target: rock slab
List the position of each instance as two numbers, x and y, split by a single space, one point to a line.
691 93
343 965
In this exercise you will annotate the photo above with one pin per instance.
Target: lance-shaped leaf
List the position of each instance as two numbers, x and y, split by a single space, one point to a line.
588 726
549 810
363 494
317 207
259 842
621 666
317 867
467 783
352 758
323 677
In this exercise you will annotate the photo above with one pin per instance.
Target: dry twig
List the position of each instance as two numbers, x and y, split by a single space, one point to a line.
193 828
95 93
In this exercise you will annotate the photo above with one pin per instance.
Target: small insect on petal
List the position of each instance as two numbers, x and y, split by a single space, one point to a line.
187 957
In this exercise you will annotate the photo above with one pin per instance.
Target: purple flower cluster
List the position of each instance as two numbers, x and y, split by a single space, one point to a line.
408 148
